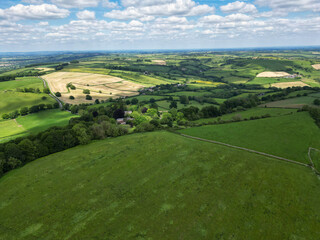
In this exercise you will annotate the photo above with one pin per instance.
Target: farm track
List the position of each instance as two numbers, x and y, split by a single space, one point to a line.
254 151
51 93
312 164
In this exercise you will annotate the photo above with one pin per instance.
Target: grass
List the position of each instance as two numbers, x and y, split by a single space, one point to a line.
130 188
33 123
11 101
297 102
274 112
25 82
285 136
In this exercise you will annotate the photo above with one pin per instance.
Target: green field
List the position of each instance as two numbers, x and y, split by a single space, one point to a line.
25 82
130 188
254 112
297 102
33 123
12 101
285 136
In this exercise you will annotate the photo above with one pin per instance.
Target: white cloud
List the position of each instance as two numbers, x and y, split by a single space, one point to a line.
109 4
35 12
33 1
86 15
43 23
240 7
291 6
76 3
178 8
139 3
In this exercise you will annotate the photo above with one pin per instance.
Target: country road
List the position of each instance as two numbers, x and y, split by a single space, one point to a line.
51 94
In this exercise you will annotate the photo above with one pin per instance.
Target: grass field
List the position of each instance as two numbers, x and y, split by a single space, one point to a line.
274 112
130 188
25 82
101 87
33 123
291 102
11 100
285 136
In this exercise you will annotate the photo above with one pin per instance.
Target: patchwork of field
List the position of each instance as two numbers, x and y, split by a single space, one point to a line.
33 123
130 188
101 87
288 136
273 74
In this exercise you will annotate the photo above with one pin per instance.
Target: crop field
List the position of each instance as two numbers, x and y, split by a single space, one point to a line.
289 84
285 136
254 112
297 102
273 74
33 123
120 189
101 86
24 82
12 101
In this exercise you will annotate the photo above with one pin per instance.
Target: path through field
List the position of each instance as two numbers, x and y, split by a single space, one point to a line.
257 152
51 93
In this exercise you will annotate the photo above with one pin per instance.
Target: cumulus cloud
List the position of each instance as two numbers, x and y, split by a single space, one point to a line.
240 7
128 3
108 4
86 15
33 1
291 6
34 12
178 8
76 3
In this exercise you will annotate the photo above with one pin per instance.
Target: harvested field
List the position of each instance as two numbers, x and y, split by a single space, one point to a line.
273 74
159 62
289 84
45 69
316 66
101 87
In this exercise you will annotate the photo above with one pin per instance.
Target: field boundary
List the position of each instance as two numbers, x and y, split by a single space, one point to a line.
46 85
310 158
248 150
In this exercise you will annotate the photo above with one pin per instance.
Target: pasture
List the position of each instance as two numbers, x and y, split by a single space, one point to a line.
33 123
24 82
12 100
287 136
101 87
297 102
130 188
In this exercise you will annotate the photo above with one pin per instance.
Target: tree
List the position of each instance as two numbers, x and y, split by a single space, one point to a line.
71 97
88 97
46 90
5 116
81 133
134 101
24 111
28 149
86 91
58 94
97 101
184 100
173 104
316 102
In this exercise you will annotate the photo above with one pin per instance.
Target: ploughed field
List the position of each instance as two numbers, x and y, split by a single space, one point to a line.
101 87
159 186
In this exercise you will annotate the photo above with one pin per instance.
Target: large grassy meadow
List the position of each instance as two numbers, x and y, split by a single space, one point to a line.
131 188
288 136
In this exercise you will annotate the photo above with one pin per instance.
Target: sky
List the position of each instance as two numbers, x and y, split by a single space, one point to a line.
82 25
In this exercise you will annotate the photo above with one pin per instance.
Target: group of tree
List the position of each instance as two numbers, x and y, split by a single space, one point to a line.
28 110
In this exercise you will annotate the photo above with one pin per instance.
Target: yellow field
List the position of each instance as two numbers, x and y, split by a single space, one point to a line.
316 66
289 84
45 69
273 74
159 62
101 87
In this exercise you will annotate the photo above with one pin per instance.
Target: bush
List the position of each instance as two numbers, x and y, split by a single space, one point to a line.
88 97
71 97
58 94
86 91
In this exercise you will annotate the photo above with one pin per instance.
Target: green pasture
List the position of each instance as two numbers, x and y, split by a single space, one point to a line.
12 100
253 112
296 102
287 136
33 123
159 186
24 82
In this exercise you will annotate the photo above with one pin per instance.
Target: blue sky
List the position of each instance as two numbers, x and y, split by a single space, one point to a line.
49 25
